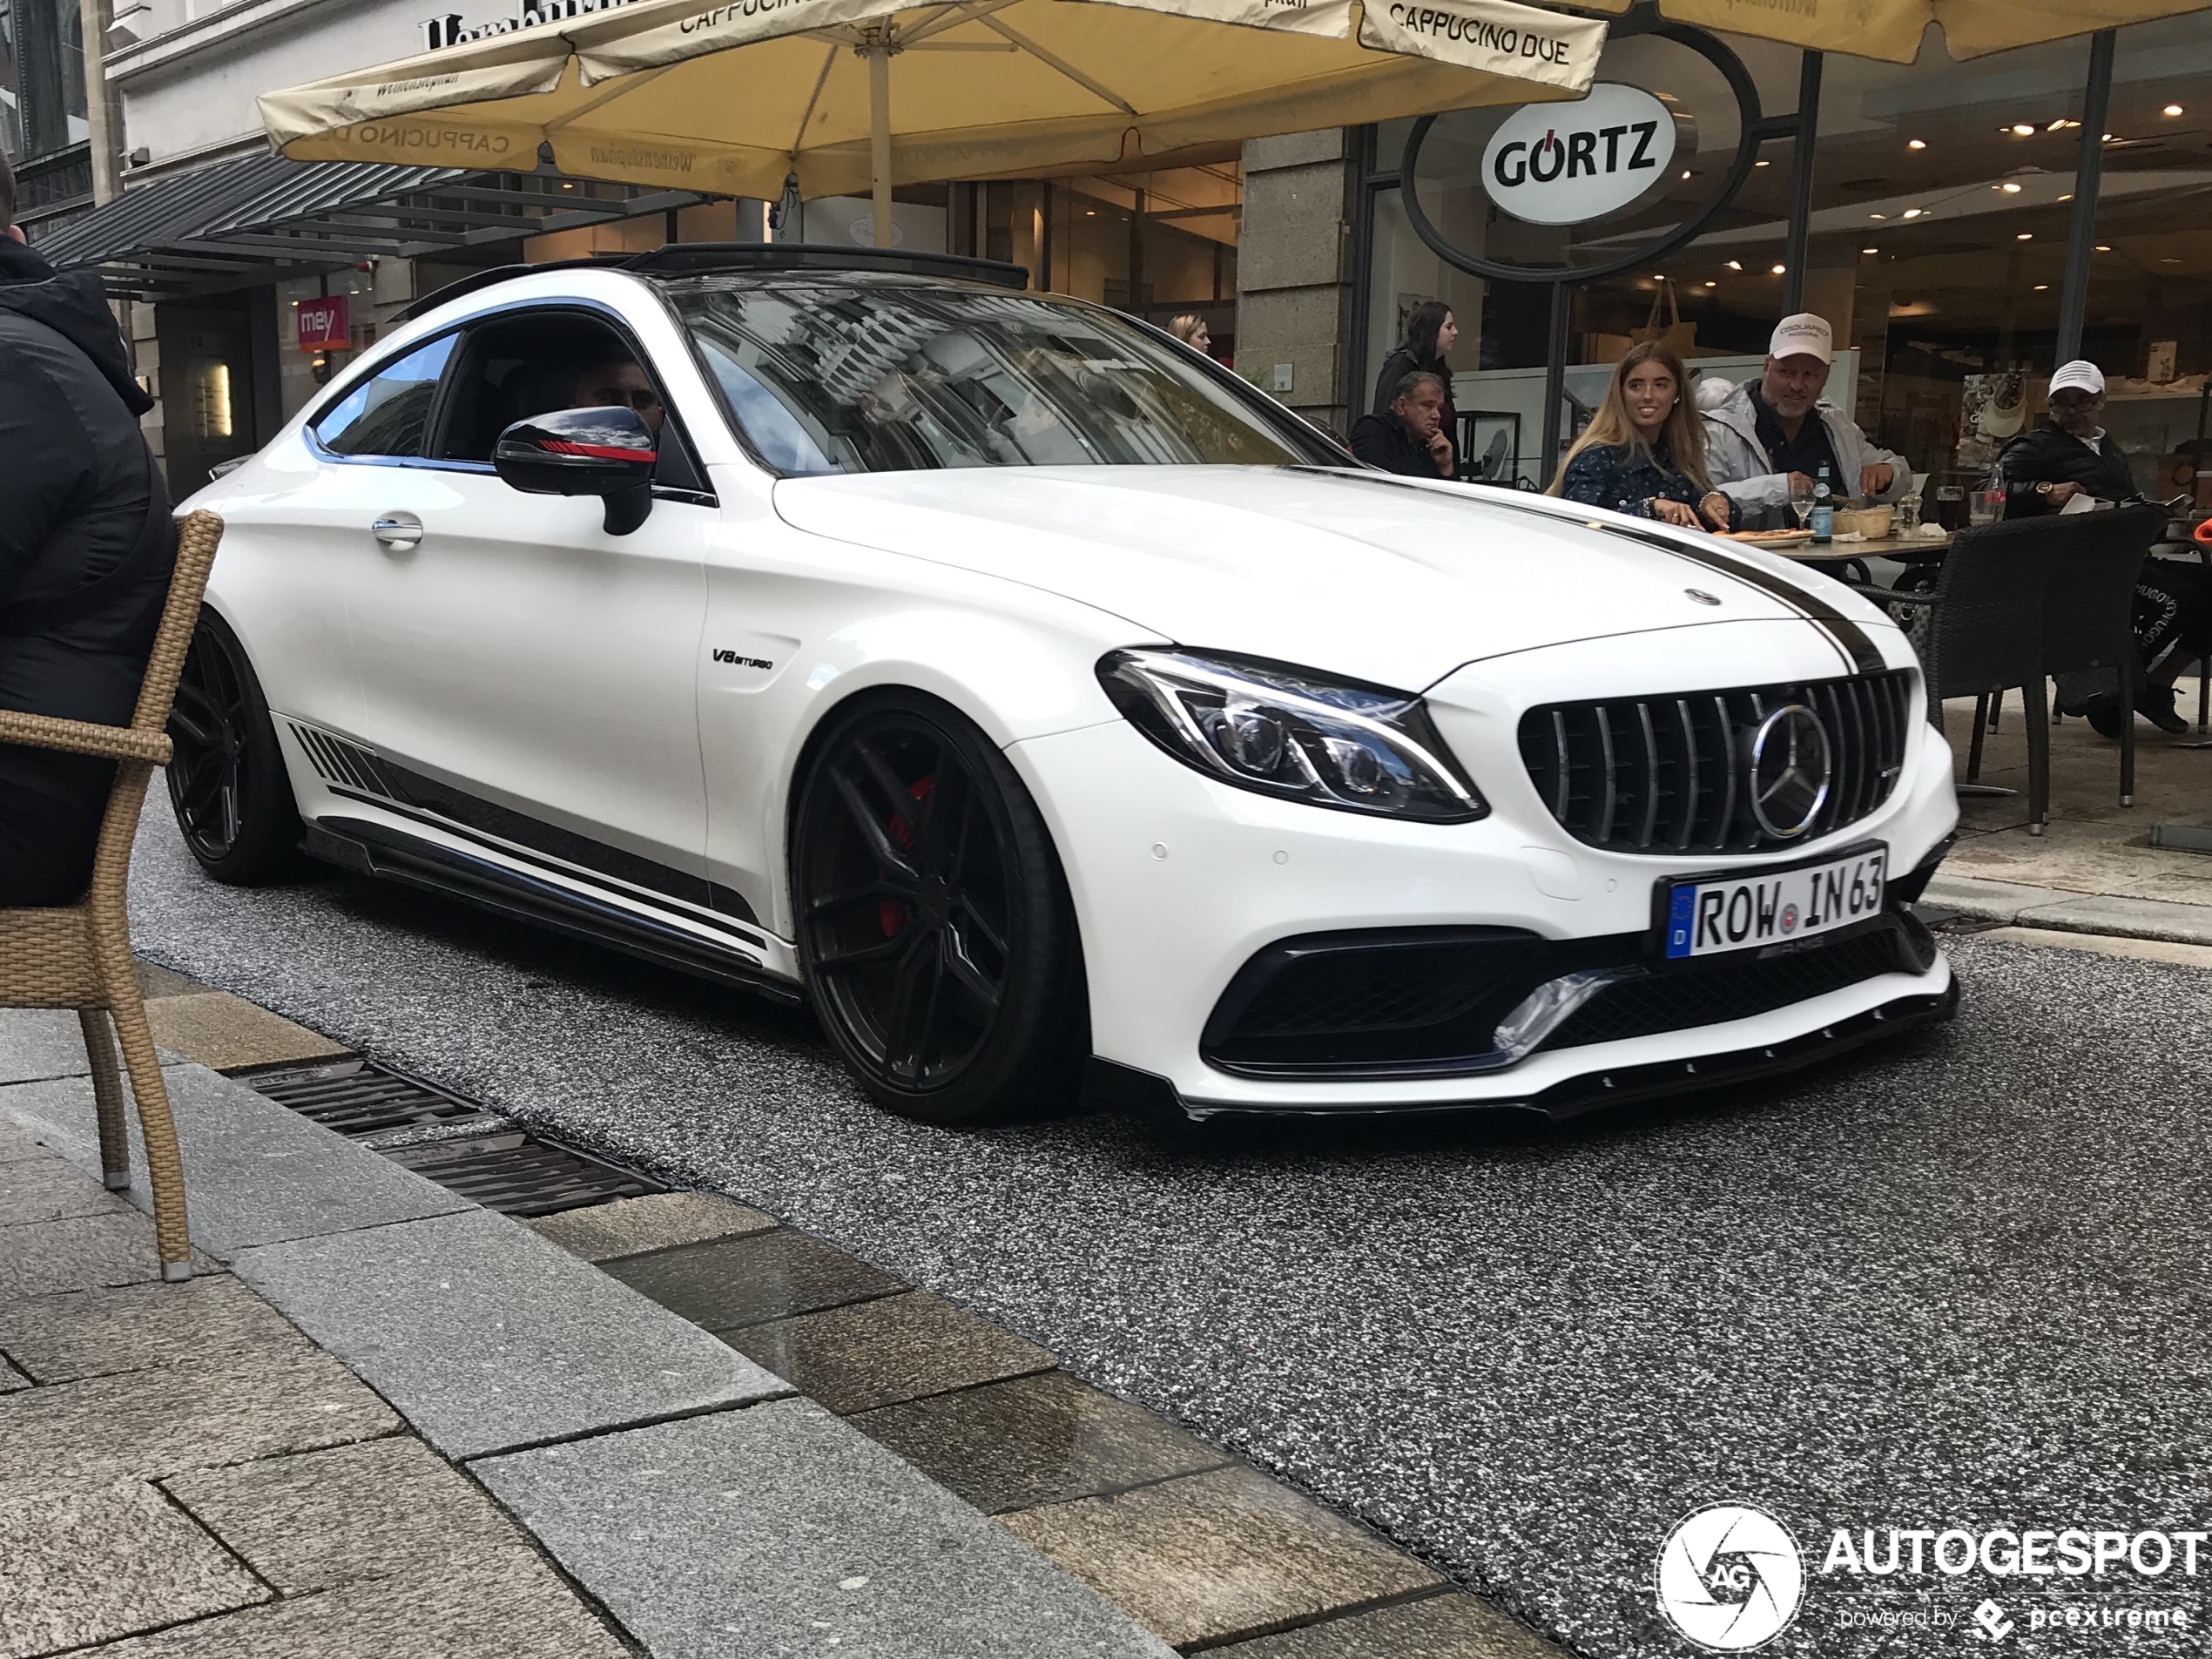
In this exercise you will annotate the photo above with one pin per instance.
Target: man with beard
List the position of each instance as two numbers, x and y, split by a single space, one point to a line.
1774 435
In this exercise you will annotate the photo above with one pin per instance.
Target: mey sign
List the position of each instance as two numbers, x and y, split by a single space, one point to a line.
1560 164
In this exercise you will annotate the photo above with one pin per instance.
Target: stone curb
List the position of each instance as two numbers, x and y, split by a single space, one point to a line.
2059 911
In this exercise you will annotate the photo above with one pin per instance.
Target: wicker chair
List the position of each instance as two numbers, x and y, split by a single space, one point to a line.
78 956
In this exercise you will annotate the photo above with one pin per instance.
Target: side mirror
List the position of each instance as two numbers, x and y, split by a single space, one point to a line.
607 453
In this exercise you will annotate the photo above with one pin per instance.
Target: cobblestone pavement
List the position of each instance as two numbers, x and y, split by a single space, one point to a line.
1956 1284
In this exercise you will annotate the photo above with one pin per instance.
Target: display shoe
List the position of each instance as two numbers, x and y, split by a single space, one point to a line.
2155 703
2106 716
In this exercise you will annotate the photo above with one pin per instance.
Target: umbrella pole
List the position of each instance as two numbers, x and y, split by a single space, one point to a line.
880 140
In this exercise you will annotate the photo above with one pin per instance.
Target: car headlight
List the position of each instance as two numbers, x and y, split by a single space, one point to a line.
1282 732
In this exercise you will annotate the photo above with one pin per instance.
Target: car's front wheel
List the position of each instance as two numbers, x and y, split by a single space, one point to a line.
226 777
934 927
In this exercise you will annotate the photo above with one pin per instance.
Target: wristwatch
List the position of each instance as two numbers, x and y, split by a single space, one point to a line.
2043 489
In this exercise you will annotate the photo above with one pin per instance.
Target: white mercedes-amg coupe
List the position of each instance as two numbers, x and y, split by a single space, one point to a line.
1027 691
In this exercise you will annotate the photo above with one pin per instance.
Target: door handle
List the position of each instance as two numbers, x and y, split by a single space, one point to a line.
399 531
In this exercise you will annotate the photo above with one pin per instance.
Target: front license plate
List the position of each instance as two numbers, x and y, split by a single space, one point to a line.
1743 913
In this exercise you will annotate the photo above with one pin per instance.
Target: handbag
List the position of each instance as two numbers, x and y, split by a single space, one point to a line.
1677 336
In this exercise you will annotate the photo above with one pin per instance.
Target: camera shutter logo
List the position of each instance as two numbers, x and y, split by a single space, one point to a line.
1730 1577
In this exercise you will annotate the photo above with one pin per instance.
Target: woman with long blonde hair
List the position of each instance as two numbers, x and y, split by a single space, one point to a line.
1644 451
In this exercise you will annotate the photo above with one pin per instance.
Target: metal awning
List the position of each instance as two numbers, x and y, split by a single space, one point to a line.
244 223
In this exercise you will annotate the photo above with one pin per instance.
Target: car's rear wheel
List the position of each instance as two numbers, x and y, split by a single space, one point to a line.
933 923
226 779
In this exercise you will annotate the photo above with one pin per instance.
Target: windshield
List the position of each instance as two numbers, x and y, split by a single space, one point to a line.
854 375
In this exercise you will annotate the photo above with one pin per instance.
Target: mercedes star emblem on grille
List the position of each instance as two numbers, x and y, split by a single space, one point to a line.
1790 770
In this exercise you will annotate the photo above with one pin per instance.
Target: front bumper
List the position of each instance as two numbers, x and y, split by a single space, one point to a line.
1179 881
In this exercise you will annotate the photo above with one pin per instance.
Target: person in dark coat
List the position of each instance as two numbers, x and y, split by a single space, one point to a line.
1409 438
1430 332
1643 452
86 548
2069 455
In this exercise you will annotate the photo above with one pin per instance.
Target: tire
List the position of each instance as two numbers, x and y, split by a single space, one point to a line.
934 927
227 783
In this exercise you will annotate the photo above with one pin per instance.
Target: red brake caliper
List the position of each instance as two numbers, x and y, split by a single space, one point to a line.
890 911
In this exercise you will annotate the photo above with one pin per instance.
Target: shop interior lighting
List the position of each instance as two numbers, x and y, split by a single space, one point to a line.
2176 109
1878 216
2042 287
2025 236
1762 164
2023 128
2104 247
1916 144
1712 284
1779 269
2009 188
1914 213
1735 265
1685 173
1869 250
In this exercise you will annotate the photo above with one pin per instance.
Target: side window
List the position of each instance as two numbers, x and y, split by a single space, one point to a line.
516 366
388 413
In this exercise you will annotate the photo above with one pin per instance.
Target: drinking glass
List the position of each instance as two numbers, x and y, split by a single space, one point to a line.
1801 502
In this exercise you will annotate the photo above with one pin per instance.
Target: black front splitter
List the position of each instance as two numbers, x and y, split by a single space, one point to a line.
1594 1091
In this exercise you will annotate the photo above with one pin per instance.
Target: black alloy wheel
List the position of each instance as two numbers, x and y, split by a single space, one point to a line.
934 928
227 779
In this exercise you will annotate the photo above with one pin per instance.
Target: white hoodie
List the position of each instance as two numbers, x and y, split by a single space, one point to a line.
1737 463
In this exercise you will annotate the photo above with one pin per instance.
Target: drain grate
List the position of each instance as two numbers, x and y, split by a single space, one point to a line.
360 1100
449 1139
520 1174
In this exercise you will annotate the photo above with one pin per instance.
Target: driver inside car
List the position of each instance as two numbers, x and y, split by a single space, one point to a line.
617 381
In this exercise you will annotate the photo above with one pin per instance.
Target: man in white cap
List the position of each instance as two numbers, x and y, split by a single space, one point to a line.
2070 458
2069 453
1776 431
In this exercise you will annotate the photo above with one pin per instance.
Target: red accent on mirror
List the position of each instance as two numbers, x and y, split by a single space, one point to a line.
598 451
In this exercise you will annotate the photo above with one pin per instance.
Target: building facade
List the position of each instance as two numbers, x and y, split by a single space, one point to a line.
1964 227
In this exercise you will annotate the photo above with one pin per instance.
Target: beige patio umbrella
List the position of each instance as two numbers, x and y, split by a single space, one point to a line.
733 98
1892 29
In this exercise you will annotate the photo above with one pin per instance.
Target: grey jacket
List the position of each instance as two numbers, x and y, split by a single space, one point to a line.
1737 464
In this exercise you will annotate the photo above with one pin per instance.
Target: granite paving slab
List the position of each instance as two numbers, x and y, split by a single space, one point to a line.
1437 1626
75 1253
781 1531
38 1043
489 1337
1033 1440
50 1190
81 1566
506 1604
11 1379
319 1519
69 1337
2099 913
745 1281
223 1032
1212 1557
658 1221
155 983
146 1424
892 1349
17 1144
254 1172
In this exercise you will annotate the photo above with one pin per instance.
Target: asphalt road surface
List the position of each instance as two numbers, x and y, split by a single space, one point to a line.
1960 1283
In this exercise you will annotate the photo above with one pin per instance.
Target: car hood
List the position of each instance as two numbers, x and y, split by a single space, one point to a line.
1364 575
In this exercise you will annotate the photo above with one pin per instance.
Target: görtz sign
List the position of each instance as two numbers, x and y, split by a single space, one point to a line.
1562 164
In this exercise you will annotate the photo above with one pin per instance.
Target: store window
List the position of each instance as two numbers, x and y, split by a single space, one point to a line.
1715 300
2149 323
1938 241
1156 244
10 83
45 86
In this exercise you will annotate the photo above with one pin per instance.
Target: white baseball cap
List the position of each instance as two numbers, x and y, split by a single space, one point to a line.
1803 335
2079 375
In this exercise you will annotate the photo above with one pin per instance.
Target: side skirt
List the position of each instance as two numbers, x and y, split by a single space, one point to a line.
378 850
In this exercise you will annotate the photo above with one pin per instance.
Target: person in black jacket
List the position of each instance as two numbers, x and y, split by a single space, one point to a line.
2070 456
86 548
1429 334
1408 438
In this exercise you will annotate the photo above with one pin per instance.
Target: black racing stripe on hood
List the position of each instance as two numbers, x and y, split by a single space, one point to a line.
1847 636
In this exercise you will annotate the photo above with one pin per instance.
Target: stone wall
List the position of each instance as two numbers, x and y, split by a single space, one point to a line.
1293 279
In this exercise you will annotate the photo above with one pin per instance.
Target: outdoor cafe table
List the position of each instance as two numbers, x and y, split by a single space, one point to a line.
1909 549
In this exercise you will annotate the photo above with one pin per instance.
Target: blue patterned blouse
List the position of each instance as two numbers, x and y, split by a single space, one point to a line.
1624 478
